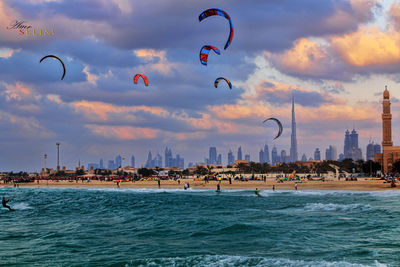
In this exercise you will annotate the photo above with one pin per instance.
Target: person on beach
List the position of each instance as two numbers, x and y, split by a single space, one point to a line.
295 186
159 183
273 187
179 180
4 202
218 188
185 186
230 180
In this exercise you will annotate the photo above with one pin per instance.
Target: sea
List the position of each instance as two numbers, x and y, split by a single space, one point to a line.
176 227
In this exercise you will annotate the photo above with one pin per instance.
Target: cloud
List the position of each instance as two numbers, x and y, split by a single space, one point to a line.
123 132
368 47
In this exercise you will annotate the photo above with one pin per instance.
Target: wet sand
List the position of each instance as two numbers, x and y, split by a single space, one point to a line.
363 184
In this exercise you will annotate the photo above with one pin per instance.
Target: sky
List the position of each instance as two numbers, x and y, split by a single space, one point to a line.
334 56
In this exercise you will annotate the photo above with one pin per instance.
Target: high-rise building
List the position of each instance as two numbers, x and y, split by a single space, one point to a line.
212 159
158 160
231 158
293 137
372 149
261 156
219 159
118 161
239 153
283 155
331 153
377 148
304 157
317 154
247 157
133 161
101 164
111 165
266 154
351 149
274 156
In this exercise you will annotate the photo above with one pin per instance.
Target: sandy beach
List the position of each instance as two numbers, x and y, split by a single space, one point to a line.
363 184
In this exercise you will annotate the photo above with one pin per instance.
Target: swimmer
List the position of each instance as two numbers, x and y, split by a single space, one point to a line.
4 202
257 192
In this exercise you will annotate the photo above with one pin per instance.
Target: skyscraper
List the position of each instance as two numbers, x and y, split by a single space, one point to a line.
331 153
266 154
212 158
118 161
372 149
219 159
247 157
293 138
304 157
133 161
101 165
231 158
261 156
317 154
351 149
239 154
274 156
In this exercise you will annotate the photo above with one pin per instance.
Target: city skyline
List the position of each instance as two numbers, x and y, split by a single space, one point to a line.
97 111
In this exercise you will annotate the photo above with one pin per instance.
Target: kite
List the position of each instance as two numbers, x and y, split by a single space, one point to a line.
205 50
279 124
219 12
136 78
62 63
222 78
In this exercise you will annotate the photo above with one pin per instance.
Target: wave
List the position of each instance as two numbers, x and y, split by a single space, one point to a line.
21 206
224 260
337 207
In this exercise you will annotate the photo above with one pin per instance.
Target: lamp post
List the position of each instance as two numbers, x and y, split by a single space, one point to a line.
58 156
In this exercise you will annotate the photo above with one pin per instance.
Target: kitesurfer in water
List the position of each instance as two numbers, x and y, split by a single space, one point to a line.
257 192
4 202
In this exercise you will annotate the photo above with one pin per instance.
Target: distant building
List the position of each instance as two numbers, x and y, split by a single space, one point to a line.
93 166
239 153
212 159
293 138
304 157
283 156
331 153
351 149
341 157
317 154
261 156
133 161
266 154
118 161
274 156
219 159
247 157
101 164
231 158
111 165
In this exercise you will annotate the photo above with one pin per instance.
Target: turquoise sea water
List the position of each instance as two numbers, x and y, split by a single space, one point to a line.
152 227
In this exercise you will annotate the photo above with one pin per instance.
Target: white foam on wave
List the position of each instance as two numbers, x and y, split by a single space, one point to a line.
225 260
21 206
336 207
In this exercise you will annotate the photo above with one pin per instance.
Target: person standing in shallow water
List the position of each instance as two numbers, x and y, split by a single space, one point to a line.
295 186
159 183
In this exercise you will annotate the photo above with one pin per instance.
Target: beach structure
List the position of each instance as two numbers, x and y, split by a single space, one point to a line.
293 137
390 154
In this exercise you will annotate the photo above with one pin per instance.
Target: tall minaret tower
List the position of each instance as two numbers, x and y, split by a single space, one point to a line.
293 139
386 121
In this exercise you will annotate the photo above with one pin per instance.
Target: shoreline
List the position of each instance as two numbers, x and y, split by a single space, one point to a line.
365 184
